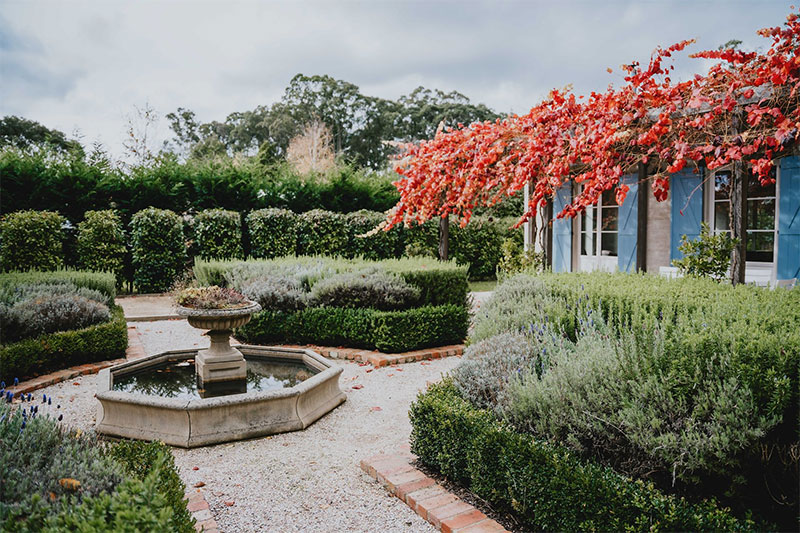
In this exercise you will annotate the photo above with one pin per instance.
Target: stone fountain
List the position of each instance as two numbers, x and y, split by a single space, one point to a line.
196 397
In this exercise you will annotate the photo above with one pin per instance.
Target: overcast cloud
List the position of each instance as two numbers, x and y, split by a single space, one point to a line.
82 66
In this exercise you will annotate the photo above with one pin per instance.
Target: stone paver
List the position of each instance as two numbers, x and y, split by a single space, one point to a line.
148 307
445 511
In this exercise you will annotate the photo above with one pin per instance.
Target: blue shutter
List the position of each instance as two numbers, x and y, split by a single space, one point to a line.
789 219
687 208
562 231
628 225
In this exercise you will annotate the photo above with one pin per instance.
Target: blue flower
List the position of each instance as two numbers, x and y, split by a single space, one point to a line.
44 398
60 418
16 381
49 401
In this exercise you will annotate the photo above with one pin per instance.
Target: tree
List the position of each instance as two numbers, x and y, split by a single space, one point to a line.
742 111
311 151
29 135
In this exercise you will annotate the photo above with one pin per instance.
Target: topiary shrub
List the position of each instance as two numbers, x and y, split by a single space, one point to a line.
372 288
322 233
101 243
31 240
218 234
158 249
273 232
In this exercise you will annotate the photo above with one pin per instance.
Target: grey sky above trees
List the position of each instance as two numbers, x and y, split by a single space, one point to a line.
83 66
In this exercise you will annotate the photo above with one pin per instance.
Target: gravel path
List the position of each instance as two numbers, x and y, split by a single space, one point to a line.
302 481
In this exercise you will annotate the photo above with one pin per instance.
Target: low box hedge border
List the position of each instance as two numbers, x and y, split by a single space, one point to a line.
387 331
63 349
545 486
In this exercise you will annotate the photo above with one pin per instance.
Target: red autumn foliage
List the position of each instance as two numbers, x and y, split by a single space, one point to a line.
743 109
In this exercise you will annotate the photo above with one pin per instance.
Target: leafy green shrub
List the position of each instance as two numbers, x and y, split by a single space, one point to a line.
103 282
142 494
10 295
478 244
218 234
369 244
159 250
31 240
707 256
545 487
101 243
273 232
388 331
139 459
53 351
322 233
276 293
49 314
439 284
515 260
369 288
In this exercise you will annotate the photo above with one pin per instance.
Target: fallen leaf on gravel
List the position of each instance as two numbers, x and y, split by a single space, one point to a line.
424 363
199 484
217 493
370 369
399 369
389 375
76 383
358 387
230 503
195 468
375 409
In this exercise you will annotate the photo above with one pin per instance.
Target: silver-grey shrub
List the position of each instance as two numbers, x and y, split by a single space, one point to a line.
11 294
370 288
59 312
276 293
619 399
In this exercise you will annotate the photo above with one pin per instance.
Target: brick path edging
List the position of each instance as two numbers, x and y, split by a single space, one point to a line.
445 511
378 359
135 351
198 506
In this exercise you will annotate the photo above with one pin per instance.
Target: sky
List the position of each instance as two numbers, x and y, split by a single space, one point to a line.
82 66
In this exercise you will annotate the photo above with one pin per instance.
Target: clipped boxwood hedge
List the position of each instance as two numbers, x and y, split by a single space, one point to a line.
31 240
387 331
273 232
218 234
322 233
158 249
546 487
65 348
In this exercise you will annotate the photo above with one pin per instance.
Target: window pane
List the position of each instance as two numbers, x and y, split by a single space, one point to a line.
756 190
610 215
608 245
587 243
722 219
722 185
760 214
760 246
609 198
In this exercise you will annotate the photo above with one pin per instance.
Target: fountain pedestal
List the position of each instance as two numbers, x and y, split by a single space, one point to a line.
221 363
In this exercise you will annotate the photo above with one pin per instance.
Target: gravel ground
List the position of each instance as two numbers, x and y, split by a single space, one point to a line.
302 481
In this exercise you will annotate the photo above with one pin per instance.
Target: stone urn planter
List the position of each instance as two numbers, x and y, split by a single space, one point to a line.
221 362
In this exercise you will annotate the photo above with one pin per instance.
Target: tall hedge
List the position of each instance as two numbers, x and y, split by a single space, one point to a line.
322 233
364 242
101 243
273 232
218 234
31 240
158 249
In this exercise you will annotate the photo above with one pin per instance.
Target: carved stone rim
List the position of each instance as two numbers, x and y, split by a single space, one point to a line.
252 307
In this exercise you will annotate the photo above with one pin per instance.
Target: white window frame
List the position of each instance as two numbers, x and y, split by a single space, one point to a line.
596 261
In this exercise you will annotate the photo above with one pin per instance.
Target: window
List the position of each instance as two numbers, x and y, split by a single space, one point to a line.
760 215
599 227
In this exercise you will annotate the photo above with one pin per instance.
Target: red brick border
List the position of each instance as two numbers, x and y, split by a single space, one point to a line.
431 501
378 359
201 512
135 351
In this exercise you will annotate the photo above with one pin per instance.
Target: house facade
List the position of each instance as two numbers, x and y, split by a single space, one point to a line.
643 234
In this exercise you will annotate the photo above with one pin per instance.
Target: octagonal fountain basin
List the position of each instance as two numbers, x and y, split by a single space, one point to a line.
158 397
